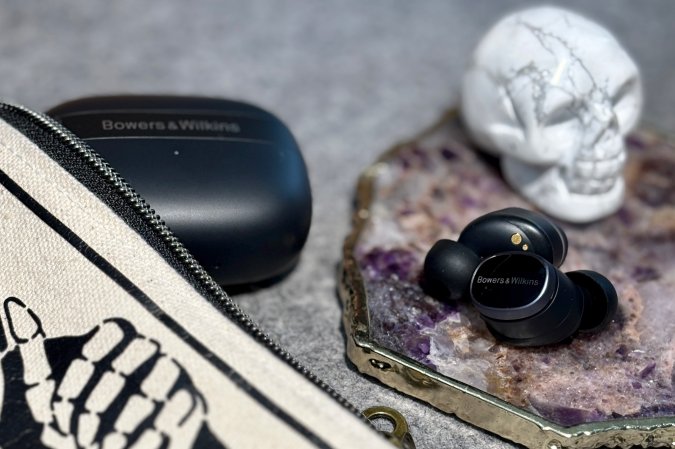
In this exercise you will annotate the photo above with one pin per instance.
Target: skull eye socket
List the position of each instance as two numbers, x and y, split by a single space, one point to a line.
626 89
562 114
626 103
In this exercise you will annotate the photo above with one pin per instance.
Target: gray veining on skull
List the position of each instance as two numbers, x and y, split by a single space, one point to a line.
554 94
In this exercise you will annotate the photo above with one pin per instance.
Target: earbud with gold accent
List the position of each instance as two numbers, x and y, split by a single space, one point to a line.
449 265
506 262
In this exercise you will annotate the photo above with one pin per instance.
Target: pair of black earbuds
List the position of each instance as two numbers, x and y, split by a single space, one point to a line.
506 262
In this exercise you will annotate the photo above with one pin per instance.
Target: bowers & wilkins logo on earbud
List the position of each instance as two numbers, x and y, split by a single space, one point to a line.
513 280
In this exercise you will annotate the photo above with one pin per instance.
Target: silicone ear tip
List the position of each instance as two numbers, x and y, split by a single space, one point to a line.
600 299
451 265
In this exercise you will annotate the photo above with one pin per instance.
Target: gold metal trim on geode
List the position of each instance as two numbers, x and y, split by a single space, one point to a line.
467 403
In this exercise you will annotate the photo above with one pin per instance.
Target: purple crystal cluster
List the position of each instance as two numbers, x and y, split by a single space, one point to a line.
431 188
392 279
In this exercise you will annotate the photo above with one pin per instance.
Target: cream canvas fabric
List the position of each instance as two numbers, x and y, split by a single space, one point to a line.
105 345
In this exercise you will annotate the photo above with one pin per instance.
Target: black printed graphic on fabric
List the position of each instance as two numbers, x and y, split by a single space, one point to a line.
110 388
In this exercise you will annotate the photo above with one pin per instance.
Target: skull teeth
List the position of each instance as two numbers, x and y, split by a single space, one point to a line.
591 186
589 176
598 169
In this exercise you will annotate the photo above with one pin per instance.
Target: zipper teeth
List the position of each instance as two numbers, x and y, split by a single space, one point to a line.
158 225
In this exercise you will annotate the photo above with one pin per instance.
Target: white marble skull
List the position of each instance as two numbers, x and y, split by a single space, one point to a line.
554 94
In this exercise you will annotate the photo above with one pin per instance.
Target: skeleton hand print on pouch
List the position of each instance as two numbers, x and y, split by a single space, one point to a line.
109 388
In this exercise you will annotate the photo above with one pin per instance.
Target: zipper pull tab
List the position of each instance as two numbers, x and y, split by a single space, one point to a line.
400 436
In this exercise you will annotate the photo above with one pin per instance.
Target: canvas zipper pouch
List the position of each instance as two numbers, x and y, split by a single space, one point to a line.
113 336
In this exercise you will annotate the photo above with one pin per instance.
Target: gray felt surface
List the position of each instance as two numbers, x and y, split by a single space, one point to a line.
350 78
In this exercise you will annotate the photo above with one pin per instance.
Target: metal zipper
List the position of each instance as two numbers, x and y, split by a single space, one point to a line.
111 176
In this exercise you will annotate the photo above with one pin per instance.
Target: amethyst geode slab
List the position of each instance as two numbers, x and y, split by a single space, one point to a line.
430 188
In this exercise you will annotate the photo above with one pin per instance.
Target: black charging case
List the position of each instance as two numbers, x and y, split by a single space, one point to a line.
226 177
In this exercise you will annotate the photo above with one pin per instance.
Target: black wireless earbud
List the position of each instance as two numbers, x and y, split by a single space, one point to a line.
450 265
506 262
526 301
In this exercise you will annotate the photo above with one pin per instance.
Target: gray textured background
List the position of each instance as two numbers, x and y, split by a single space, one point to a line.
350 79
